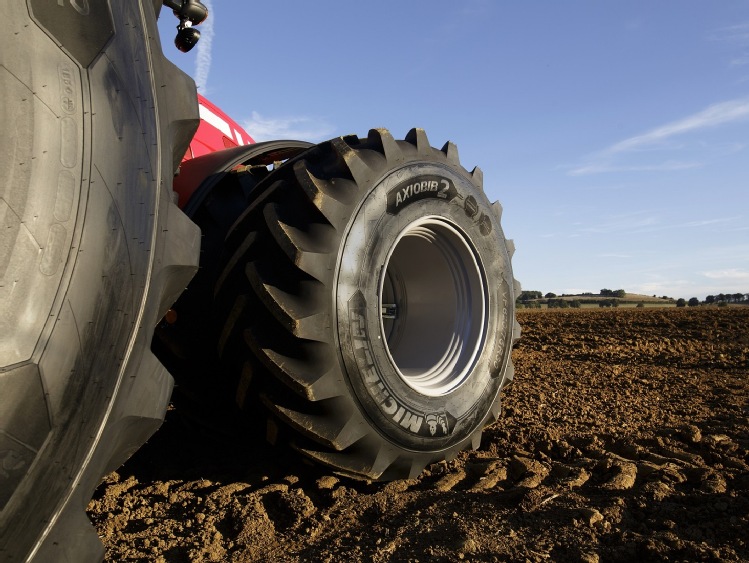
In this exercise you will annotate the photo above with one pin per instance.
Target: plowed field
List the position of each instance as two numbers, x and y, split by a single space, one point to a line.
625 436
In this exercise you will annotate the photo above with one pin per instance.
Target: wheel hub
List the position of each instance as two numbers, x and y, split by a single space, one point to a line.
433 302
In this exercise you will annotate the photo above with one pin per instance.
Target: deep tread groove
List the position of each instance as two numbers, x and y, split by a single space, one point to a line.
240 252
497 208
418 138
386 144
321 428
329 197
369 467
308 372
516 287
478 177
509 376
307 249
476 439
451 152
356 165
296 308
516 331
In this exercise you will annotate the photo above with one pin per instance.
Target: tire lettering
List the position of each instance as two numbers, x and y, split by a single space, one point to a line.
389 406
67 89
445 189
502 333
387 403
422 187
411 422
417 188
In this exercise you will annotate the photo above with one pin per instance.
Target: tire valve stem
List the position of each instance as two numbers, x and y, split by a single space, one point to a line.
389 310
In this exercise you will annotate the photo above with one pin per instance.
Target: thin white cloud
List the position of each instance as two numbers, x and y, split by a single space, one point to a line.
312 129
627 222
601 167
724 222
705 222
738 33
712 116
609 159
736 36
639 222
687 288
728 275
205 48
663 286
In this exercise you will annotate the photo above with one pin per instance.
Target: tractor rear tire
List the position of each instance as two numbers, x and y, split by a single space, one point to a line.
93 123
367 299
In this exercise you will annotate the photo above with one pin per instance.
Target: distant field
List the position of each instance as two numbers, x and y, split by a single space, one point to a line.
624 303
593 301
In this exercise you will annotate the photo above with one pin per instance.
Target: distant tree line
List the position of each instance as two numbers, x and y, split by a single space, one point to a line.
526 296
722 300
563 304
727 298
620 293
534 299
529 296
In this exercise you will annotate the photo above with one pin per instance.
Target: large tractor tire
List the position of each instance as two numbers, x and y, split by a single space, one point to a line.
93 123
367 300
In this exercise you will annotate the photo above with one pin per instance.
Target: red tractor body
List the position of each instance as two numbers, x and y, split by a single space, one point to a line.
217 131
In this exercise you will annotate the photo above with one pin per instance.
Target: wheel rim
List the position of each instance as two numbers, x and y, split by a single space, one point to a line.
433 302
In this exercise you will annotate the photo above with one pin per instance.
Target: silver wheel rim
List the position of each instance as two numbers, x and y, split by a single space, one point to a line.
433 303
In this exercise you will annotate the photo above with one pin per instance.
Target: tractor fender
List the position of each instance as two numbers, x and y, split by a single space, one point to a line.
198 176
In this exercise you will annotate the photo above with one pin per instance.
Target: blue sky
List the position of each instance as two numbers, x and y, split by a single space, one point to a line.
615 135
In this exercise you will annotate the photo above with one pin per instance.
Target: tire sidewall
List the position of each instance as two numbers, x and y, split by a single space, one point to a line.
396 410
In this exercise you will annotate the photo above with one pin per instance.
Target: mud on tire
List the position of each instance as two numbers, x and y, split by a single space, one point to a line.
367 299
92 251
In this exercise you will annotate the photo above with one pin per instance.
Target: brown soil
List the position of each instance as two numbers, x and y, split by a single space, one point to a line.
625 436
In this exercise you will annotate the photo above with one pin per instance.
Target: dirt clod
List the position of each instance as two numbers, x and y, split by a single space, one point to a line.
591 516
